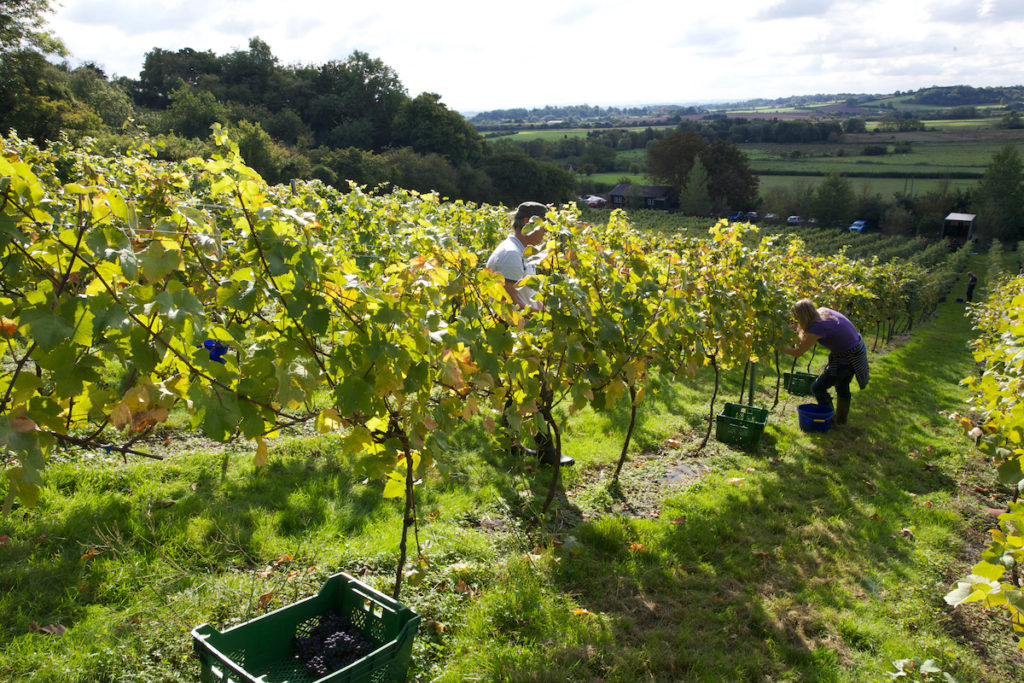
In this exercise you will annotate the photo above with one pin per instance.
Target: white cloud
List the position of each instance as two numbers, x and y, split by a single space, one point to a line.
796 9
489 55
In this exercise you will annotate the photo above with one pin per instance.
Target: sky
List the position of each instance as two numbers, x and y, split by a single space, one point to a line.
483 55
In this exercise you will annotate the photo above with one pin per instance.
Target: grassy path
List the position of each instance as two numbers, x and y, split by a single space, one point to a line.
820 557
814 558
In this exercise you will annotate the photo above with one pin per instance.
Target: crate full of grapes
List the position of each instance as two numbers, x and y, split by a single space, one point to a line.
346 633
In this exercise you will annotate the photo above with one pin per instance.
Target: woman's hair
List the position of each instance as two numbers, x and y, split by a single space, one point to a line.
526 211
806 313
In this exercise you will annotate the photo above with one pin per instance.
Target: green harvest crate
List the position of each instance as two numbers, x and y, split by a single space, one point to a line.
798 383
740 424
260 650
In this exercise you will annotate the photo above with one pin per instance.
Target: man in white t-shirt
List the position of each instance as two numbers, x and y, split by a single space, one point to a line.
509 261
508 258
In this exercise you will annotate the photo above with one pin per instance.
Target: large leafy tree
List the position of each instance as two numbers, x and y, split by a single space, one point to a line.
999 195
670 159
428 126
695 199
833 200
731 182
164 71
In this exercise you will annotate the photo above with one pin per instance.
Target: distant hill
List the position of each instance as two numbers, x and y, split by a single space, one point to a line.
924 101
582 115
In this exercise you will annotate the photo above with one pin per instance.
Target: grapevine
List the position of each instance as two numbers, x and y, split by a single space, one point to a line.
144 288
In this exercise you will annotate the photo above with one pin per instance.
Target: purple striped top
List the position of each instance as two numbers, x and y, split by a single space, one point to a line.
837 333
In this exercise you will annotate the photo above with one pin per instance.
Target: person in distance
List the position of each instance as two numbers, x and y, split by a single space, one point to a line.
847 358
509 260
972 282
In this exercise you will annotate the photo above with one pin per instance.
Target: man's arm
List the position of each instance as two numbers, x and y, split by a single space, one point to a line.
510 289
517 298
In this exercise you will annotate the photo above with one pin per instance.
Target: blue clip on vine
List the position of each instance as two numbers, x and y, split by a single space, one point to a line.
217 350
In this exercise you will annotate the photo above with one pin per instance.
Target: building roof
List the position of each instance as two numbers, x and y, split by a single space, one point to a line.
965 217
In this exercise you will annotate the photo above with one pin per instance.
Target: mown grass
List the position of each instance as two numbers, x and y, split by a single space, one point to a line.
886 187
813 557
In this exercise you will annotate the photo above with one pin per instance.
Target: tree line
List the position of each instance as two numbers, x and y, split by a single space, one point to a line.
345 120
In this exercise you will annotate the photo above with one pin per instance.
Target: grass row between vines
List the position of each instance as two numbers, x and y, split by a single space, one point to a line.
815 557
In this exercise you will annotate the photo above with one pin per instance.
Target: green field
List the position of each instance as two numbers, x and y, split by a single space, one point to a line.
562 133
956 152
886 187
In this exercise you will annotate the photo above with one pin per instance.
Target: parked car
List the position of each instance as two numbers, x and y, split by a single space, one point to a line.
794 220
737 216
753 215
594 201
858 226
771 217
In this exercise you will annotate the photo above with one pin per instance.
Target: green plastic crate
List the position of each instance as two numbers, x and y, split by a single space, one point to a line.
798 383
260 650
740 424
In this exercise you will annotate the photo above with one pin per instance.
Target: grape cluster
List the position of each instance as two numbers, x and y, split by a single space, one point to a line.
331 645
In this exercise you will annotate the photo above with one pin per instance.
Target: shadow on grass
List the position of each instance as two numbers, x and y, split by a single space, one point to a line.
130 518
736 589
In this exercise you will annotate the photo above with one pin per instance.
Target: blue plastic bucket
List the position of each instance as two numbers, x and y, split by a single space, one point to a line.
814 418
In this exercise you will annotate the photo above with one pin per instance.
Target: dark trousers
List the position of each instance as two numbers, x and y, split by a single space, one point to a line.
838 376
970 292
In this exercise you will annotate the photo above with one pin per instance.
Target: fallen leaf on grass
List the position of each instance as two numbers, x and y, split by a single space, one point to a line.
579 611
870 484
928 503
764 555
90 553
4 539
913 454
674 443
679 520
751 470
775 461
638 547
265 599
995 512
877 517
736 481
50 629
437 626
906 533
980 489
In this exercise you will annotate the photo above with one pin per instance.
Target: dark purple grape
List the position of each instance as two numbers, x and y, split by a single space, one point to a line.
332 644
